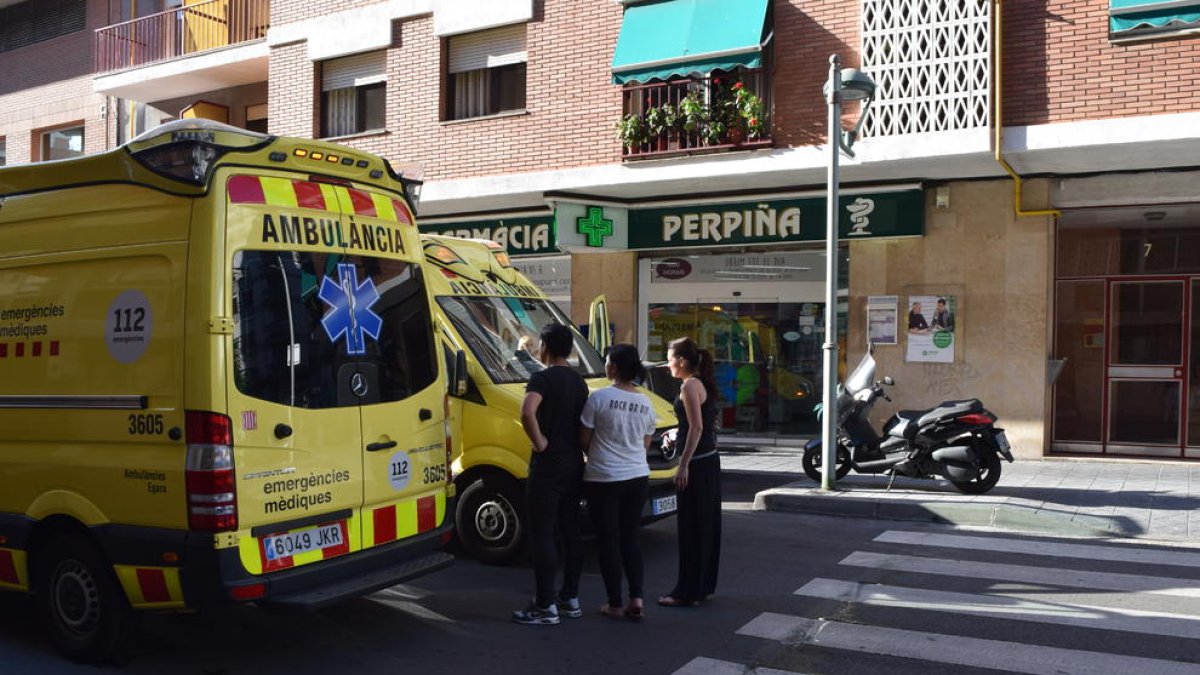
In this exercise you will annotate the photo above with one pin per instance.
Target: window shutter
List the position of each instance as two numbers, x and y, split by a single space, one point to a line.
488 49
354 71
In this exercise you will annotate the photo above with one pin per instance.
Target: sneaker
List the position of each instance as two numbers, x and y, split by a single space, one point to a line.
569 608
537 616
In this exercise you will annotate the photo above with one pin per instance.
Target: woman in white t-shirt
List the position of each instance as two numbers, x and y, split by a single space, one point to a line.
617 427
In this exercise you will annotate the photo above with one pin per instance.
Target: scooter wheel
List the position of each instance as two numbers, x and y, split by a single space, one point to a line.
987 476
812 462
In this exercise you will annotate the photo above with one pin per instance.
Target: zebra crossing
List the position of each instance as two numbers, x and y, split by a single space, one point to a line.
1099 596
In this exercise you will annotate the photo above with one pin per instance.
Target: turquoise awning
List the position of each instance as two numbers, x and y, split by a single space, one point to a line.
1129 15
670 38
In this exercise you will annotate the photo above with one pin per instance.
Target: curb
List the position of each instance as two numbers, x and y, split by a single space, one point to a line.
943 508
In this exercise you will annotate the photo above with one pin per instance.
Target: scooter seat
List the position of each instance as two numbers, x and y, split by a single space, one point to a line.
943 409
950 409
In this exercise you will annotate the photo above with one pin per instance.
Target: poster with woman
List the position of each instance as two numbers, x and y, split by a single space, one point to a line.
931 327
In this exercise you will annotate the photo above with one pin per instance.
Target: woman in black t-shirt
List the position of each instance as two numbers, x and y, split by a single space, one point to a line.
554 399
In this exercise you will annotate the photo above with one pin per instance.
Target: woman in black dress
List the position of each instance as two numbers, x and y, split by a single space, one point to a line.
698 482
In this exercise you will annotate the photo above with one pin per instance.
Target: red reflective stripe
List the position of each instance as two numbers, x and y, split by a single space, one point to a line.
20 349
426 514
3 349
54 348
363 204
154 585
308 195
385 524
341 549
246 190
8 568
402 213
37 348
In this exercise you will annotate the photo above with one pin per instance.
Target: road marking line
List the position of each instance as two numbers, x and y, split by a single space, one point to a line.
705 666
1048 576
964 651
1006 607
1044 548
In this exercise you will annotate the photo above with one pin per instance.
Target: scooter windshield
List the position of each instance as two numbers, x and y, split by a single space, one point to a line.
863 375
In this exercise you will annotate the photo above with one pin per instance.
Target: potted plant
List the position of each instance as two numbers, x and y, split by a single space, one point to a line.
751 110
631 131
692 113
656 127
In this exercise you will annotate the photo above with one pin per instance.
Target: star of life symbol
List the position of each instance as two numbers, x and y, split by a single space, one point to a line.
859 210
351 314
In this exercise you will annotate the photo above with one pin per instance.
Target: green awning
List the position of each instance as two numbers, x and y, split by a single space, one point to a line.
1137 15
670 38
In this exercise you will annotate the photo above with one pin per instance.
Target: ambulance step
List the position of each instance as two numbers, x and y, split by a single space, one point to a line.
361 584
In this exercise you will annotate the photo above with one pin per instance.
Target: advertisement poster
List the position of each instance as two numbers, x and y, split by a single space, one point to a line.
932 328
881 319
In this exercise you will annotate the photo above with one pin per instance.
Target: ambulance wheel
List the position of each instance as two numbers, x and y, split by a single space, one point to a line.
490 519
81 601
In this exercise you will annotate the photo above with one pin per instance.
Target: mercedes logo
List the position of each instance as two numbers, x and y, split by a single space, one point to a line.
358 384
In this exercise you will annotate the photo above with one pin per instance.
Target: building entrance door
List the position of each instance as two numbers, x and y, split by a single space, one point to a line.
1145 383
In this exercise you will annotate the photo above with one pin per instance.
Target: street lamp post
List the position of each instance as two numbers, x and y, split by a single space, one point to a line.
843 85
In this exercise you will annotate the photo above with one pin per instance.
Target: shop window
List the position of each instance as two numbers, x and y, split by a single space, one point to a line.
62 143
486 73
354 94
3 151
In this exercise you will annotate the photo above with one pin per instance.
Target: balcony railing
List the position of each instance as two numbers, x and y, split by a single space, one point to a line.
722 112
180 32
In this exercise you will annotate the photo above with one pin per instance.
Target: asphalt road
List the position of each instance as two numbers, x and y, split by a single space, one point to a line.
457 621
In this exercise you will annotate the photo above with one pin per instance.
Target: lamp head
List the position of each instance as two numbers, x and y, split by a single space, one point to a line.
857 85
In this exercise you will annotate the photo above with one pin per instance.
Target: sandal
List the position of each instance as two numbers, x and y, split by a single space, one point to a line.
611 612
672 601
635 614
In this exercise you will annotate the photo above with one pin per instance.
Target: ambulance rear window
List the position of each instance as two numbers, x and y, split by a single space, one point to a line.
305 324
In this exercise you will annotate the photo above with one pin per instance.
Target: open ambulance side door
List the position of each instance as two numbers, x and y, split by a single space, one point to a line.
599 329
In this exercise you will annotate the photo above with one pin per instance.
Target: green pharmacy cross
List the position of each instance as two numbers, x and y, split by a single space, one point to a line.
595 226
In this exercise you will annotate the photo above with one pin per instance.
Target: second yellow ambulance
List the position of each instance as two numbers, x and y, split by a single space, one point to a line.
485 307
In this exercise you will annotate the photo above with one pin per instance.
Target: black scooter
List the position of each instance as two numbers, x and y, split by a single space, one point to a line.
957 440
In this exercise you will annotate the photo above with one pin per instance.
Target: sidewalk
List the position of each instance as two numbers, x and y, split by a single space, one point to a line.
1073 497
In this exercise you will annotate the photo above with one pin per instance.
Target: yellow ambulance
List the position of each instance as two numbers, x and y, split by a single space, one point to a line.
485 308
219 381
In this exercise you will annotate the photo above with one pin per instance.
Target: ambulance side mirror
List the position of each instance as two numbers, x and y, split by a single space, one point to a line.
458 374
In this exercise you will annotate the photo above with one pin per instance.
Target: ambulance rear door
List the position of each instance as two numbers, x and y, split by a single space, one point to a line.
405 462
291 389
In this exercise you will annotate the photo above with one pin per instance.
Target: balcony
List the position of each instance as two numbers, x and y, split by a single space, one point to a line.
694 115
188 50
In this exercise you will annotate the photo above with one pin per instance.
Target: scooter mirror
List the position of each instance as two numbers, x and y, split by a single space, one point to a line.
887 379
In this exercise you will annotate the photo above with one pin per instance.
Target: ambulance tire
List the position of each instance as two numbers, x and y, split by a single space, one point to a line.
81 601
491 521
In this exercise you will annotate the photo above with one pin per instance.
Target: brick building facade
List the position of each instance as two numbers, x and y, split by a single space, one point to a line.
1097 112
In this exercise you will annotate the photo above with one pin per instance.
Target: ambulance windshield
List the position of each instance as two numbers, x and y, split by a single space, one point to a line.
503 335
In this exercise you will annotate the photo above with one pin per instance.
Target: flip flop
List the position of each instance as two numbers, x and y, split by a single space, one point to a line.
612 612
672 601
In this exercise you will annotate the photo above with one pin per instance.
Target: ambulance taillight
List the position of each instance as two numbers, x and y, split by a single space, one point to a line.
211 488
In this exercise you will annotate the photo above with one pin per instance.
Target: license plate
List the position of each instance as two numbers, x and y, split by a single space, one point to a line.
288 544
663 505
